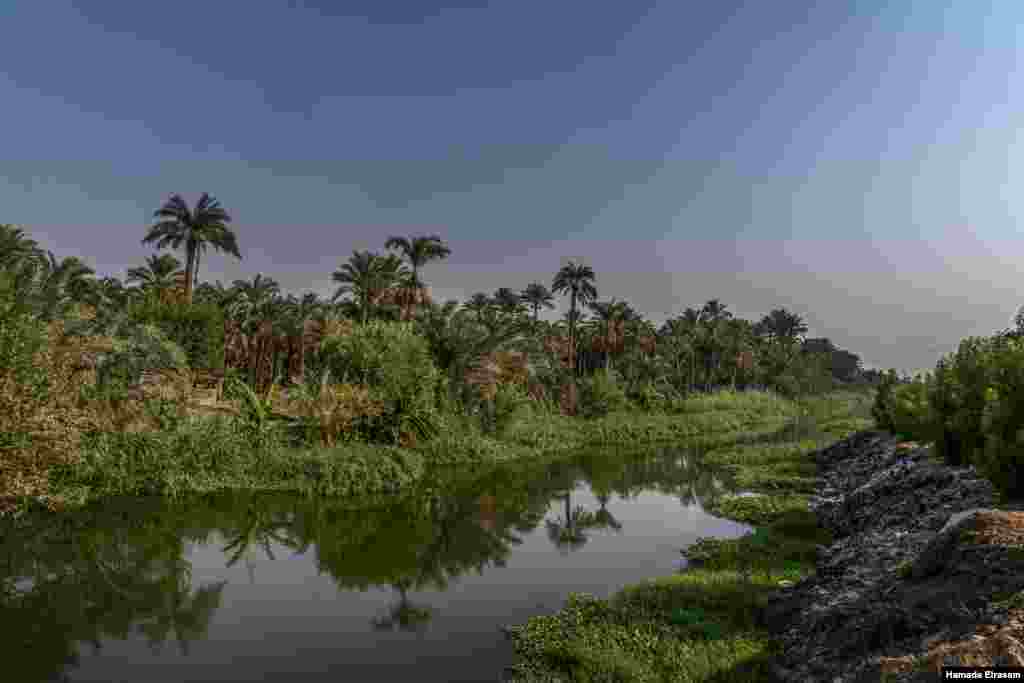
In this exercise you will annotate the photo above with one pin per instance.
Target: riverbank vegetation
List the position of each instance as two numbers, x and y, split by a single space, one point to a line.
971 406
701 624
162 383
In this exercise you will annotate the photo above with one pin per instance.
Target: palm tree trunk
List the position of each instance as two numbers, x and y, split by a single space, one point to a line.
572 332
190 264
195 275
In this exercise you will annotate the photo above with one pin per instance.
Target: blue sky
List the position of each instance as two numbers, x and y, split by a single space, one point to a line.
854 162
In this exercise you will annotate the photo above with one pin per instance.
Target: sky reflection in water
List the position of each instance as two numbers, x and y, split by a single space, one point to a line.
279 587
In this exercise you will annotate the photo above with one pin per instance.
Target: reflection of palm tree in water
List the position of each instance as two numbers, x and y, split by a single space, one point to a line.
567 534
603 518
184 613
404 615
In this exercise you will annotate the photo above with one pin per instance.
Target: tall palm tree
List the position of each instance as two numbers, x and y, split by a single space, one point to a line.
160 273
536 295
713 316
194 228
577 280
610 318
419 250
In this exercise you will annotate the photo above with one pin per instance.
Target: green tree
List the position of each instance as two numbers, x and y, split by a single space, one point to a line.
478 303
365 276
536 296
194 228
507 301
419 250
576 280
160 273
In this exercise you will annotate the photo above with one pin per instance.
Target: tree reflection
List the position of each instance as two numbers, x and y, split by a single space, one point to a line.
121 569
403 615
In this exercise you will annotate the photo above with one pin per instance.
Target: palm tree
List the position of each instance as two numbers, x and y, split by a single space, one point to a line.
781 326
507 301
536 295
366 275
15 246
419 251
160 274
195 229
578 281
478 303
610 317
56 285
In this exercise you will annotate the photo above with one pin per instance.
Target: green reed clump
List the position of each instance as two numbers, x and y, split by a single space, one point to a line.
218 453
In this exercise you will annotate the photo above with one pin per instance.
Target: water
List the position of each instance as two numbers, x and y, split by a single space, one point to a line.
284 588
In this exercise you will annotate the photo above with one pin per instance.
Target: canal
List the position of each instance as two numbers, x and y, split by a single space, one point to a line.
274 587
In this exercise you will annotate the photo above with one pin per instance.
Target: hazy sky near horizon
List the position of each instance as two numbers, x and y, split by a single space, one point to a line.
854 162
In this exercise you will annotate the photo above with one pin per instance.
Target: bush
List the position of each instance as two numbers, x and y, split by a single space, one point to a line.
972 371
198 328
24 383
1003 421
395 362
911 414
648 398
943 399
600 395
329 413
883 410
144 347
510 403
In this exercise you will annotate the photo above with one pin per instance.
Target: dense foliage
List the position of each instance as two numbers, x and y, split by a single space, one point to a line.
379 364
970 406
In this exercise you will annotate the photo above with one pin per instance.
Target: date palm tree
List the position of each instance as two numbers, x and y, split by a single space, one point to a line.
507 301
609 318
160 274
536 295
56 285
195 228
478 303
576 280
366 275
419 250
15 246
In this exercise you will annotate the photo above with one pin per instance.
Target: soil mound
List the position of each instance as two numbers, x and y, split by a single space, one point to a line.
922 569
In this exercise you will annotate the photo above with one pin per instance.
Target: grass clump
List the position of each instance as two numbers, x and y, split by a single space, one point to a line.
211 454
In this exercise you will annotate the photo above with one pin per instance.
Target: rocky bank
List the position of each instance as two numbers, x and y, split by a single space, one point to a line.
922 570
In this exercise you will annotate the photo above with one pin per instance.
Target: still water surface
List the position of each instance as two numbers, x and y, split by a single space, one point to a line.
287 588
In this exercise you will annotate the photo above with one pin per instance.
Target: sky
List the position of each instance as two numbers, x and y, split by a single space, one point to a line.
853 162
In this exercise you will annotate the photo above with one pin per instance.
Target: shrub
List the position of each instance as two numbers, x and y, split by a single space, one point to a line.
600 395
510 403
1003 421
198 328
882 409
911 414
395 362
943 399
329 413
24 383
972 369
648 398
144 347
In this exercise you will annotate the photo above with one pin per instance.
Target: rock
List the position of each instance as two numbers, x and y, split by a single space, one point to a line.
919 561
